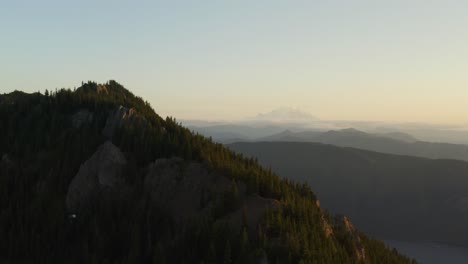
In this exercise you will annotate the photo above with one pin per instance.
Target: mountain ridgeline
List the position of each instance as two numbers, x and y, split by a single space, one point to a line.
96 176
392 143
398 143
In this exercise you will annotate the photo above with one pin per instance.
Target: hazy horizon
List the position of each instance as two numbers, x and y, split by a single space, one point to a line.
254 116
396 61
280 131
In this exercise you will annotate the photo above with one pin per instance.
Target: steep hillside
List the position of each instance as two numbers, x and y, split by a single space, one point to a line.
390 196
95 176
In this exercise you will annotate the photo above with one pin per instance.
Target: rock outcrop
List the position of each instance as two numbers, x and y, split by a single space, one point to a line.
103 171
356 243
178 186
326 225
118 118
186 190
101 88
82 117
6 161
254 207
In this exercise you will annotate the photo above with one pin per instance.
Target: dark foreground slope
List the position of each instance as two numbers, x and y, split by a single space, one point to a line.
95 176
390 196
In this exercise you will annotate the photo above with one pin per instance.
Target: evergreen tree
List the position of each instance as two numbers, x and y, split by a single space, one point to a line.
227 253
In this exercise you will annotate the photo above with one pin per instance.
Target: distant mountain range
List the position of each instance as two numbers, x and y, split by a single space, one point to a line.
336 135
392 143
389 196
229 133
386 142
286 115
295 120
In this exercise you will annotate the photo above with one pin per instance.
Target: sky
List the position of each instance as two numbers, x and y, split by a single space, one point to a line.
396 60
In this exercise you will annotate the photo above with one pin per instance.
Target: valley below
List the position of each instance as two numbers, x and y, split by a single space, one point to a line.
417 205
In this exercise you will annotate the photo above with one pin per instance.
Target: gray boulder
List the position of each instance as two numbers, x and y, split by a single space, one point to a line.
103 171
82 117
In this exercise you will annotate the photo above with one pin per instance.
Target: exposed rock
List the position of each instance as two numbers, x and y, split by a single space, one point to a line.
178 186
6 161
358 247
183 187
5 158
326 226
118 118
187 190
254 207
102 89
82 117
102 171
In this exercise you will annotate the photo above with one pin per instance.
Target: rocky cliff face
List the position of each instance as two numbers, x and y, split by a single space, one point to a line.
5 160
178 186
327 228
102 89
118 118
102 171
82 117
187 190
353 235
115 119
253 209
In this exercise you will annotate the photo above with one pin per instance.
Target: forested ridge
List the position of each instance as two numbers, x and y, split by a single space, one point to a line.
370 180
46 138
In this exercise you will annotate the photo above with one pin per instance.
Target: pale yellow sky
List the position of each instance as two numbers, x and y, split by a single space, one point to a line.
345 60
